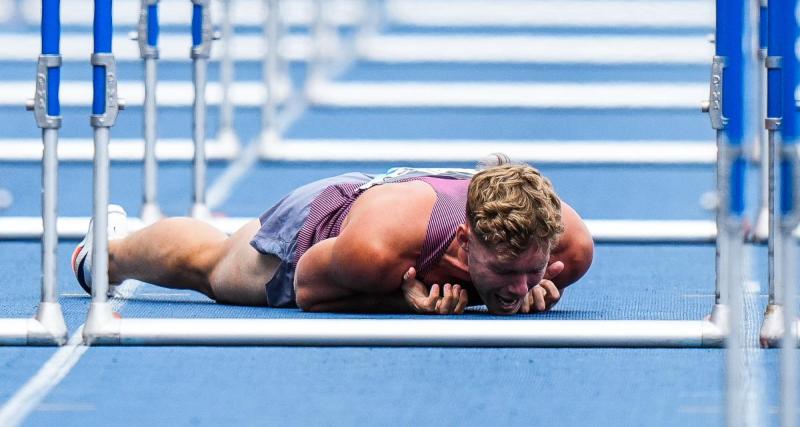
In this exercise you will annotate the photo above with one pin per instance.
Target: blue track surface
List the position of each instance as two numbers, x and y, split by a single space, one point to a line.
394 386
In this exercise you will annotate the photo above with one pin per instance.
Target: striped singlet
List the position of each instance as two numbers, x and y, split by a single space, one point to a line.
330 208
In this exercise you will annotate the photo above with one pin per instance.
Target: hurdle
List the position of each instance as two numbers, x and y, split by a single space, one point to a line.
780 323
47 327
103 328
147 38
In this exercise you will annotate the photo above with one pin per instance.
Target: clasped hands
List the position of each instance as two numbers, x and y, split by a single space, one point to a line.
452 298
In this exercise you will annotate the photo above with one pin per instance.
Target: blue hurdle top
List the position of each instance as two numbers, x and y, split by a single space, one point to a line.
731 44
51 35
782 36
103 29
781 84
197 25
152 25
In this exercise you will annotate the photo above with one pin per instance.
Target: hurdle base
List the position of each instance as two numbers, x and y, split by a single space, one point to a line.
771 335
150 213
105 330
228 138
760 232
102 325
46 328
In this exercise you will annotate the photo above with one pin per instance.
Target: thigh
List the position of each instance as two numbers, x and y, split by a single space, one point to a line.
241 275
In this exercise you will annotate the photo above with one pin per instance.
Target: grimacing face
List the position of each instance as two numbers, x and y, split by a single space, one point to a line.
503 283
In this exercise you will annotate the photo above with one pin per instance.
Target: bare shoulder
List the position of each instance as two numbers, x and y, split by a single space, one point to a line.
382 235
398 211
575 248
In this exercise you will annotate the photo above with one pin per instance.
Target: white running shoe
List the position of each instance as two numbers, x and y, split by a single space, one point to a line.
82 256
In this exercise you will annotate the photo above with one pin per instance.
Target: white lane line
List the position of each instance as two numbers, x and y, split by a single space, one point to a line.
548 13
170 93
507 95
27 398
49 375
562 49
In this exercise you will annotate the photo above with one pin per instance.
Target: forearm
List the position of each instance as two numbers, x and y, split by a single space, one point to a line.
393 302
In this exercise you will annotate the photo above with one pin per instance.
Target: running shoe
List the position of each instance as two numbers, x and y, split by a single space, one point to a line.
82 256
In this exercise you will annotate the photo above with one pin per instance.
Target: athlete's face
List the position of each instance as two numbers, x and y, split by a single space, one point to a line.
503 283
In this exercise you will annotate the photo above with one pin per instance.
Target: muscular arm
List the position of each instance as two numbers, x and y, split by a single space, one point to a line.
575 249
361 270
322 287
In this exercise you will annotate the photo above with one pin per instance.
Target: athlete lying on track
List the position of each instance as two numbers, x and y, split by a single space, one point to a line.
422 241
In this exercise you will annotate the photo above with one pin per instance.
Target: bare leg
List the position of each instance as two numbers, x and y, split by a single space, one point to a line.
185 253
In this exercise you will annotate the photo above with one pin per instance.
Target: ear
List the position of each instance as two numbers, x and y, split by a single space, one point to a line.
462 236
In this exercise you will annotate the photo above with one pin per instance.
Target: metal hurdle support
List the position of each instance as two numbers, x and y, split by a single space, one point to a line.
202 36
226 134
729 117
780 321
147 36
761 146
47 327
781 124
270 134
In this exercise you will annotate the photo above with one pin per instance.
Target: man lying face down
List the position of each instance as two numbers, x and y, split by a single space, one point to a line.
413 240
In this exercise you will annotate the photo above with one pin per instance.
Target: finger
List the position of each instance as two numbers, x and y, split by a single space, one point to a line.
538 298
411 274
444 305
552 291
526 302
434 294
456 297
554 270
463 299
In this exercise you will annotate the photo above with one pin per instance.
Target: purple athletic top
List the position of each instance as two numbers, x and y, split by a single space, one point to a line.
329 209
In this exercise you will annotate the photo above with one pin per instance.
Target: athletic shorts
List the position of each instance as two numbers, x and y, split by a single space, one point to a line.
280 225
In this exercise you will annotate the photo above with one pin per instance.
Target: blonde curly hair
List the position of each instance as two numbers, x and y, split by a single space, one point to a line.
512 207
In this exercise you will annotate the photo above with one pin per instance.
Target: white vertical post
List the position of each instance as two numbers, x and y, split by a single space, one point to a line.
227 134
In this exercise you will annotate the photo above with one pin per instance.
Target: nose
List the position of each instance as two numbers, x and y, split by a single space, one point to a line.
519 287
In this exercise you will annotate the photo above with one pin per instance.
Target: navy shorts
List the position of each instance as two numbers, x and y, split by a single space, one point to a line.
280 225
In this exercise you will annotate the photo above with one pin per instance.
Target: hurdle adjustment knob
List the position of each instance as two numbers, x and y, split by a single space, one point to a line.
121 104
705 106
30 104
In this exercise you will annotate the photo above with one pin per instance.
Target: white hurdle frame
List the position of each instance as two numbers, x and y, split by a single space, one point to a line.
47 327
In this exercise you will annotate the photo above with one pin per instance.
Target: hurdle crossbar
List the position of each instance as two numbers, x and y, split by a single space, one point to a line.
406 332
397 49
47 327
534 151
603 231
506 95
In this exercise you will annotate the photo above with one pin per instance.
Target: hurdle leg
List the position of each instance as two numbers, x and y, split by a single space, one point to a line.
325 44
270 74
227 134
728 117
761 146
202 35
147 37
48 327
105 107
